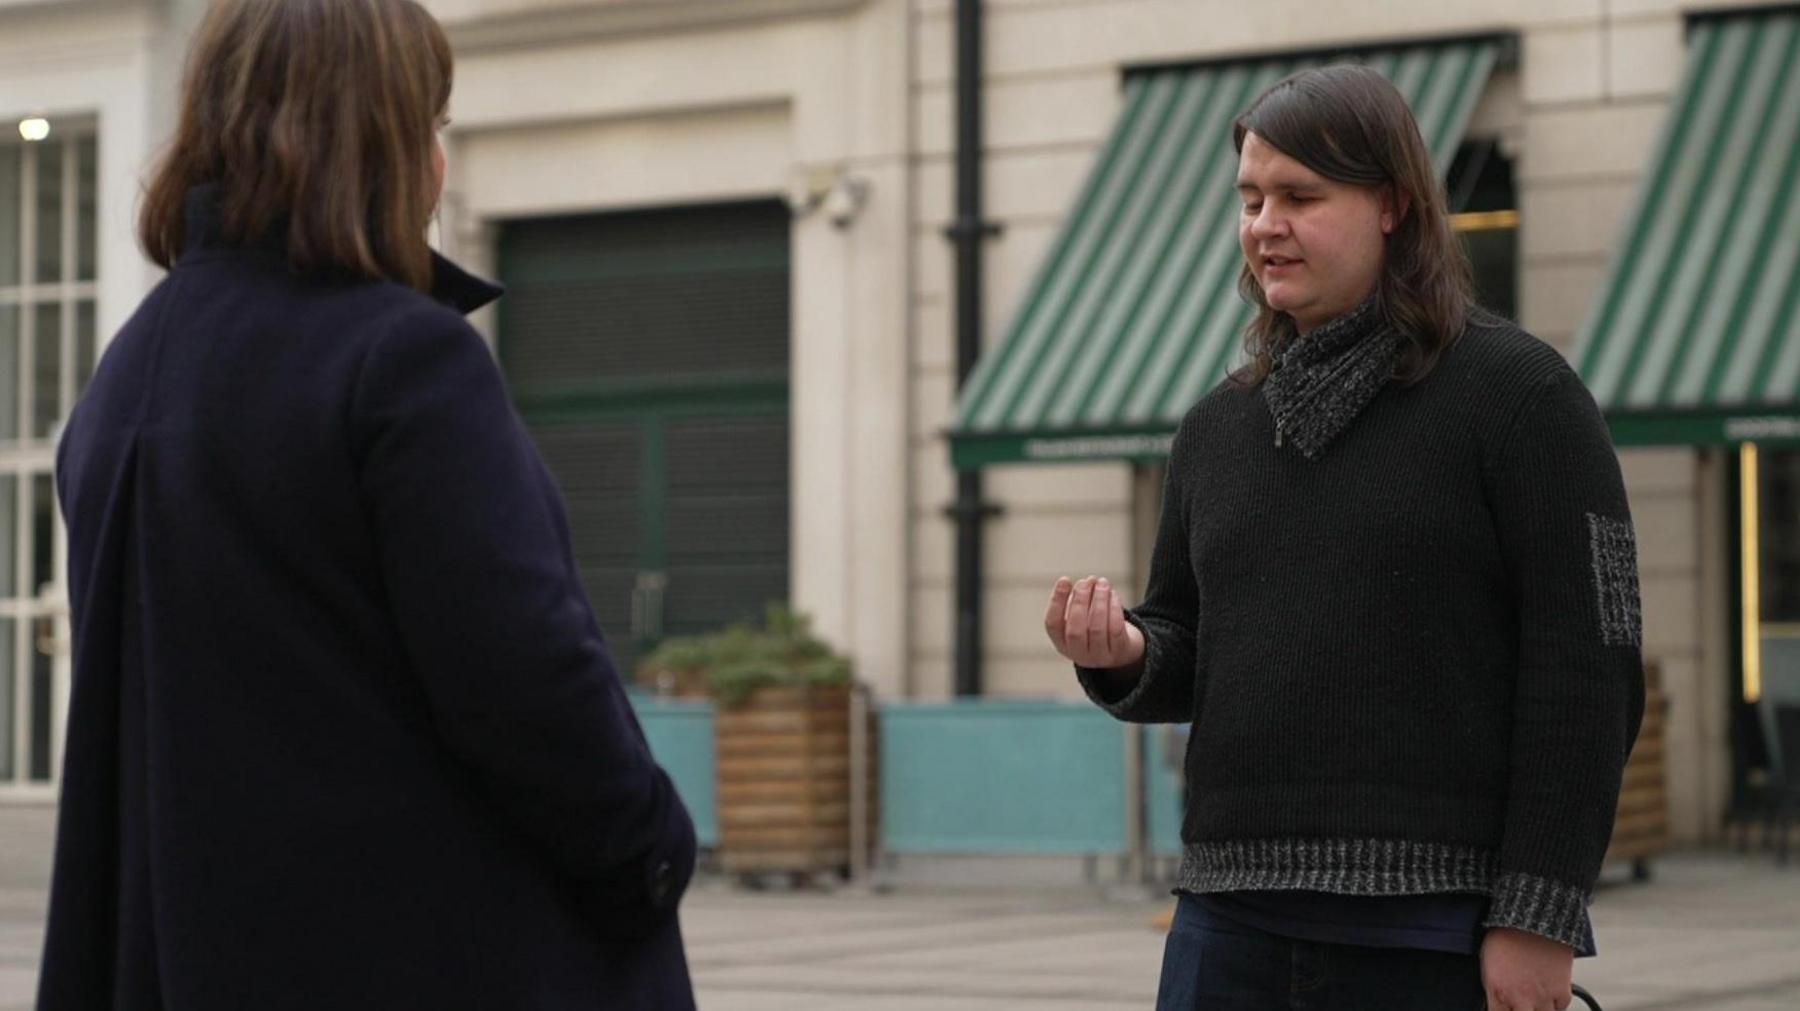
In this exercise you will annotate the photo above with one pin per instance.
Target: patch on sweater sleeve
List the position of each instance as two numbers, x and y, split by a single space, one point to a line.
1616 581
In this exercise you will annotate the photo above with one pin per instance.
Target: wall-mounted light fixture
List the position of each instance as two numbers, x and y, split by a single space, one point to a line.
34 129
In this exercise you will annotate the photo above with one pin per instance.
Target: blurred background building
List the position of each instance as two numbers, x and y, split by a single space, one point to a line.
730 236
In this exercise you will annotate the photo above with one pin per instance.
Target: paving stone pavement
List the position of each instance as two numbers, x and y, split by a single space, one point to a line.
1714 931
25 836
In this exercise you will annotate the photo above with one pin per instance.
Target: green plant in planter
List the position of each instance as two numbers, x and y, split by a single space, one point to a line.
677 666
734 663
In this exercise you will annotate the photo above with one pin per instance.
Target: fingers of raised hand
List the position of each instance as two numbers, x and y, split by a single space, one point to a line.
1100 638
1056 616
1116 635
1085 621
1081 601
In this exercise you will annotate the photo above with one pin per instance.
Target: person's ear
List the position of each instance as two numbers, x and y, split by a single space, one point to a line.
1394 207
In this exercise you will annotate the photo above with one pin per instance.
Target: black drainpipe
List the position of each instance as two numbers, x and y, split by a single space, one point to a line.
967 232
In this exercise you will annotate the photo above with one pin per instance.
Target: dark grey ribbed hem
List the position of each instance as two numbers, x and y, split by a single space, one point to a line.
1387 867
1540 906
1343 866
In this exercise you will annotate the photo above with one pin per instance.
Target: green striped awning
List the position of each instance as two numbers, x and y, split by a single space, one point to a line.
1135 313
1694 339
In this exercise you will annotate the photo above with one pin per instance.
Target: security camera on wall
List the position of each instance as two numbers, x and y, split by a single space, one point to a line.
845 200
840 196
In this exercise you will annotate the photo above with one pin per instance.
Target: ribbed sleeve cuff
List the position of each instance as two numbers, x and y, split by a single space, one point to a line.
1540 906
1095 681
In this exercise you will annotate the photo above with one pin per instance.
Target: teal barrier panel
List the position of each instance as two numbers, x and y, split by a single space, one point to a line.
1001 776
1165 748
681 737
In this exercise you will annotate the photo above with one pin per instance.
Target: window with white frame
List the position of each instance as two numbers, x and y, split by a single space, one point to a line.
48 289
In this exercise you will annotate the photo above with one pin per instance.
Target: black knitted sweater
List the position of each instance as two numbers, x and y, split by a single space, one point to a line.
1411 661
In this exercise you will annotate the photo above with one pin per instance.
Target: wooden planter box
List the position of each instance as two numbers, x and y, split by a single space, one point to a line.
784 782
1642 828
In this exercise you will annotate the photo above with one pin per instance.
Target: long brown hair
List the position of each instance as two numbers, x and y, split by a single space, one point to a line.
1348 123
312 117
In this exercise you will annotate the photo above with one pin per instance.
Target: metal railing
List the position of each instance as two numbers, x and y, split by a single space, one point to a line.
978 777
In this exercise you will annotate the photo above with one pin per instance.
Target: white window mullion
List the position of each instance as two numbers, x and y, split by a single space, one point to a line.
21 631
55 604
71 211
27 290
27 330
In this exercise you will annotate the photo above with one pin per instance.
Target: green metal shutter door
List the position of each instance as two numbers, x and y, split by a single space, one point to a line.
648 352
646 295
727 520
598 467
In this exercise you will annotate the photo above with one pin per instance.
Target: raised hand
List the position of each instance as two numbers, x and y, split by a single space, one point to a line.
1086 623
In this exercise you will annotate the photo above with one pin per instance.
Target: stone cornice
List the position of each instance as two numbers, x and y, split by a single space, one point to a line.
519 23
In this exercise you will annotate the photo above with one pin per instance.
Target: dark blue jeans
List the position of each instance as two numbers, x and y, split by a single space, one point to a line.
1212 964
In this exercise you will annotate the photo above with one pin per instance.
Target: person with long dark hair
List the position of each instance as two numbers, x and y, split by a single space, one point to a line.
344 732
1394 592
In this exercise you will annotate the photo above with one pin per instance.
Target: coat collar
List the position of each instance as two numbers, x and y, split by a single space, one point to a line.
459 289
450 283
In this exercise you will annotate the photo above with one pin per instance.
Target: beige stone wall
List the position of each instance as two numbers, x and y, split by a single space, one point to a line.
1579 114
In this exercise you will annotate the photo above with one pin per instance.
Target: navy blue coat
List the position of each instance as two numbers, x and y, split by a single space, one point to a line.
344 732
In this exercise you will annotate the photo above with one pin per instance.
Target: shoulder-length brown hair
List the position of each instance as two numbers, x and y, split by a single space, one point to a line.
1348 123
314 118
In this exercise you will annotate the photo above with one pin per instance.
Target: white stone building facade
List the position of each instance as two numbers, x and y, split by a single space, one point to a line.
843 112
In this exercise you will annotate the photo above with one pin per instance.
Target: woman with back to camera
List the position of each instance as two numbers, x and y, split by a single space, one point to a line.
344 733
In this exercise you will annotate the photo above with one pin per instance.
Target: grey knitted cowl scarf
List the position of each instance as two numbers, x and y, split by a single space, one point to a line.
1323 380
